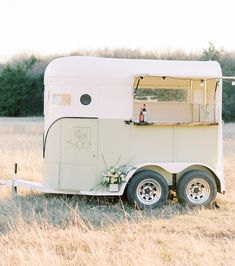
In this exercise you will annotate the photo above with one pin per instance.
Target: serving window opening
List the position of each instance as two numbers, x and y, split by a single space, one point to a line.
173 99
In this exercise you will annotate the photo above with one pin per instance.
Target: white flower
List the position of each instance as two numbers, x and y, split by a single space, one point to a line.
113 180
122 176
116 175
112 170
109 173
106 179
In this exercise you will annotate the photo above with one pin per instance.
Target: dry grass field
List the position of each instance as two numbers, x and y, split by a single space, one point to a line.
37 229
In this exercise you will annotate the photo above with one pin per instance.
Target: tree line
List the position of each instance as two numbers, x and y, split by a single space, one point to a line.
21 80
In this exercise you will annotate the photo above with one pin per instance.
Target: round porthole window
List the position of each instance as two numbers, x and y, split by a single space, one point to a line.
85 99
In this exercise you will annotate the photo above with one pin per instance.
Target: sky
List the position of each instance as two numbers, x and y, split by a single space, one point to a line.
45 27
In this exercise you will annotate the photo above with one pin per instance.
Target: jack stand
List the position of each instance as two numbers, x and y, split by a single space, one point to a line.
14 181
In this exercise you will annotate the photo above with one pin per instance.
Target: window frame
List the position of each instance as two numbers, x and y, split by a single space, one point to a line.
187 89
55 105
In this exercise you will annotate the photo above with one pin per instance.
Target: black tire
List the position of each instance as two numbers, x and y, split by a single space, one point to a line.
147 190
196 188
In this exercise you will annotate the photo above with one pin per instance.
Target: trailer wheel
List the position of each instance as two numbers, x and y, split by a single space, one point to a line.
196 188
147 189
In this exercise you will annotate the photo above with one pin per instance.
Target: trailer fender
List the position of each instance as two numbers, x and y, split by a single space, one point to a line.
175 168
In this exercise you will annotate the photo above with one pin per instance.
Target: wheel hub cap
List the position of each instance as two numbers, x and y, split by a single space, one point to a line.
198 191
149 191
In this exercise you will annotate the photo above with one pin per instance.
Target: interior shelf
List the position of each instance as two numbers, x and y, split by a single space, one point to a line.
191 124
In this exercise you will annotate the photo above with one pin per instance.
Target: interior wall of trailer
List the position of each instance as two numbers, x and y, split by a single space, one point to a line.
162 112
200 105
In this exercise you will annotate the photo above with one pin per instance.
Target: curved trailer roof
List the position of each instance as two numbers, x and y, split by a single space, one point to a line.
95 70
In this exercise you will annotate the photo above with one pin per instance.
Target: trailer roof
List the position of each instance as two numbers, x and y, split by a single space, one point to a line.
95 70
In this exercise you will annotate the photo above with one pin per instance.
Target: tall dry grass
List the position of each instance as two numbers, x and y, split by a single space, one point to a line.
37 229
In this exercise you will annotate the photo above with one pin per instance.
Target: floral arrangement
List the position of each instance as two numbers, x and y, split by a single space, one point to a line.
115 174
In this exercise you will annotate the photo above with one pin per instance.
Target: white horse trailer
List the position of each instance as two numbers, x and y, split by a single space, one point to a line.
160 119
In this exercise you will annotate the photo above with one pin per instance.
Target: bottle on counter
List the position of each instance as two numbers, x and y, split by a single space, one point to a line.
141 116
145 113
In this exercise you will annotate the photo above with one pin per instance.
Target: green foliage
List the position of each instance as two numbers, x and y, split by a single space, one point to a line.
229 102
227 63
21 94
211 53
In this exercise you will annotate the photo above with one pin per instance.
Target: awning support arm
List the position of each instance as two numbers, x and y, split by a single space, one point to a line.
137 85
